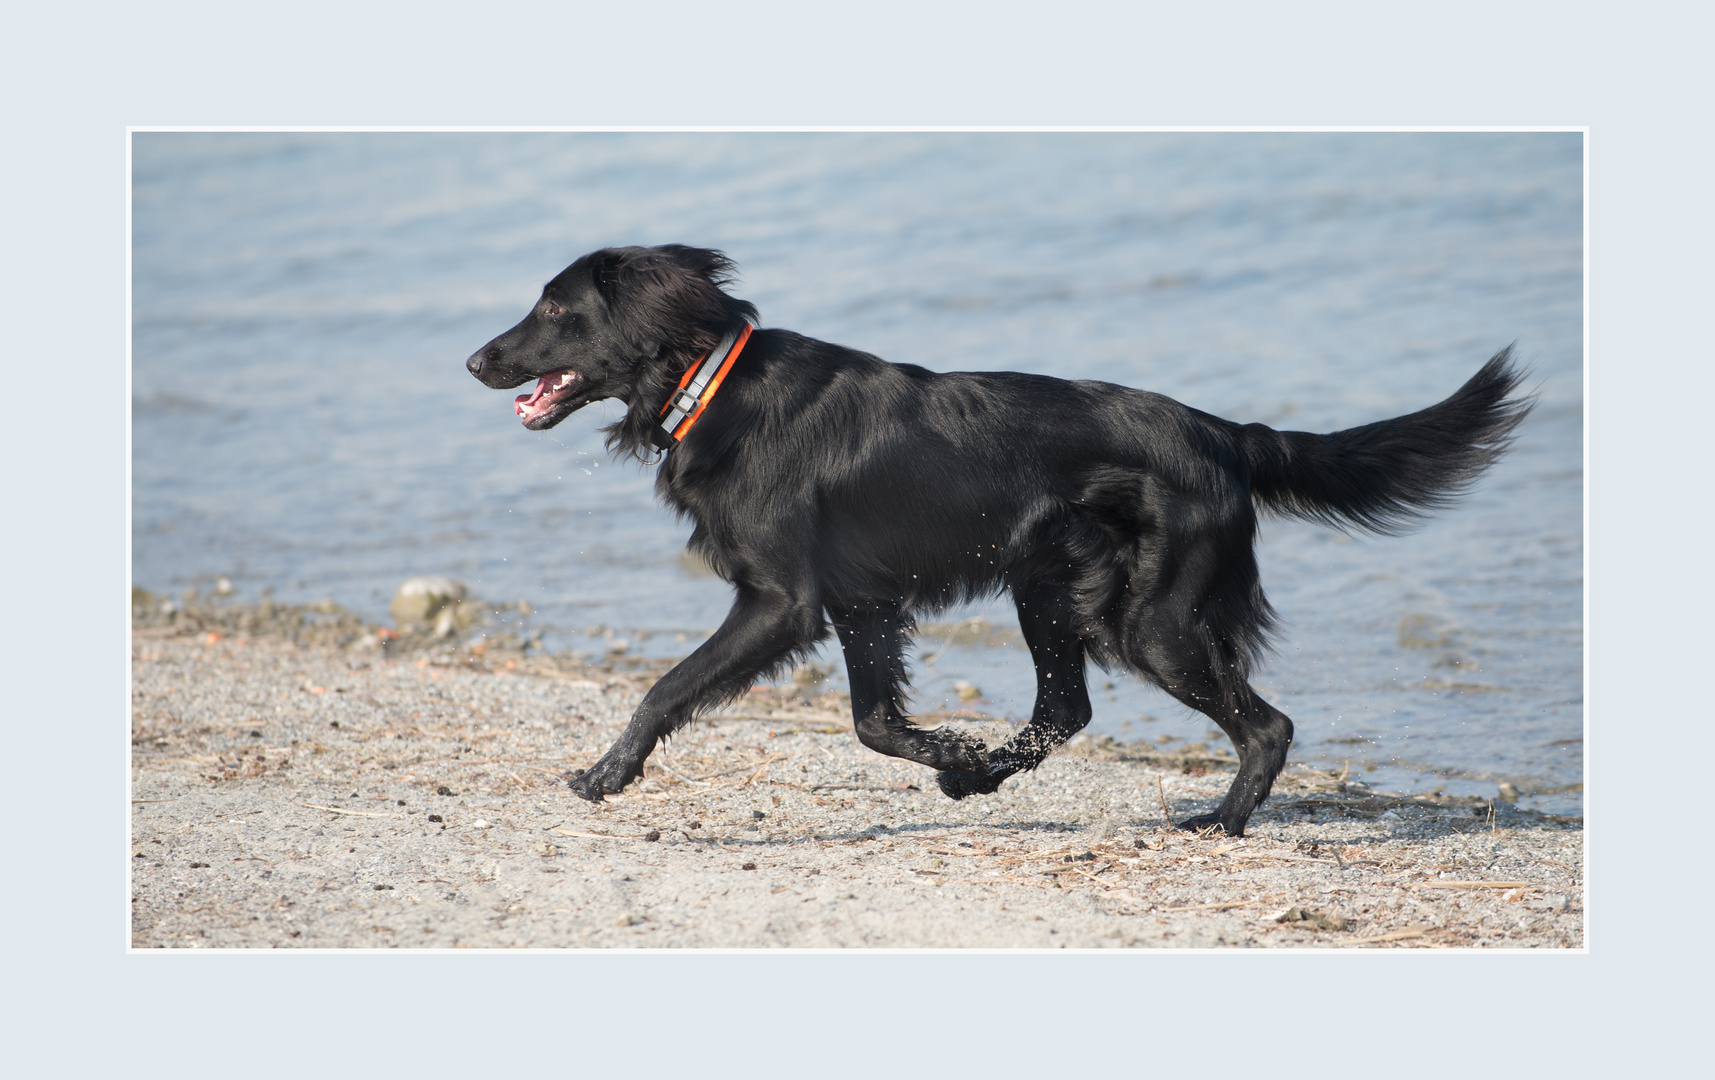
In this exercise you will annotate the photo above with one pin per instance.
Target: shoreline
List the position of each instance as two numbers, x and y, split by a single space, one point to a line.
300 779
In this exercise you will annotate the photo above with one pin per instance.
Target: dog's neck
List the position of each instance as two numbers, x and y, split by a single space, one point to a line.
686 404
650 416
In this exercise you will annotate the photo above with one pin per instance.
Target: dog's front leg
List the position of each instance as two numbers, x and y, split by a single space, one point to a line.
1046 616
874 643
763 629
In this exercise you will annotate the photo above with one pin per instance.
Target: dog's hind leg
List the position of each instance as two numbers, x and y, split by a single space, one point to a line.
1261 734
874 644
762 630
1046 617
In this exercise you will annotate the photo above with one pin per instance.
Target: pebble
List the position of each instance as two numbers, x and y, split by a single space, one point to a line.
420 598
1317 919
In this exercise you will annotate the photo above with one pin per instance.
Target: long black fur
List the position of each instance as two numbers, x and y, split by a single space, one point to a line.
836 490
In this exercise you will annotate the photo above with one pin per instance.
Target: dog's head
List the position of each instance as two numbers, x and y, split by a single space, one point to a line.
620 322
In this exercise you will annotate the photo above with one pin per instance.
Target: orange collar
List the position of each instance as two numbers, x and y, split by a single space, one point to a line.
686 404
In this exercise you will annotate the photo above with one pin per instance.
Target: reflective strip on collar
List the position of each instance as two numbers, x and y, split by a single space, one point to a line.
686 404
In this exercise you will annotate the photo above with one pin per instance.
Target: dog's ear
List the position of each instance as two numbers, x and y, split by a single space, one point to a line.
710 265
606 271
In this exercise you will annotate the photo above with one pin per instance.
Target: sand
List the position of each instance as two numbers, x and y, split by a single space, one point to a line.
344 791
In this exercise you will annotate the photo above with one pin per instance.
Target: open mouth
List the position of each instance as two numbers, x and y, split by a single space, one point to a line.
549 403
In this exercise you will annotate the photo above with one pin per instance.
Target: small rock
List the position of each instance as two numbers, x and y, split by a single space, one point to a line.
652 835
199 866
810 675
421 598
967 691
1318 920
445 790
479 824
757 815
434 817
223 587
381 888
546 850
1508 793
746 866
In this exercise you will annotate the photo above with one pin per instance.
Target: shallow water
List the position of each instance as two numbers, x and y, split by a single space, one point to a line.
303 304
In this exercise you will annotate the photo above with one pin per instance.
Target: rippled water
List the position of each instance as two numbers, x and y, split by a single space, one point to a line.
303 303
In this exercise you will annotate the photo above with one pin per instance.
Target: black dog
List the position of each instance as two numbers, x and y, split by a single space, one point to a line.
831 487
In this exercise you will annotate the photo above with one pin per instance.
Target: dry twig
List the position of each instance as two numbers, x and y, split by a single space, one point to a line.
1210 907
1397 935
1469 885
587 835
337 810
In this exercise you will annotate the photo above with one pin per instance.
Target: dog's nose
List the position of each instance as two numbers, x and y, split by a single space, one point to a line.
474 364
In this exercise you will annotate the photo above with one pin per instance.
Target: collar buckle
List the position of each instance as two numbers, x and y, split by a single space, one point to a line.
684 399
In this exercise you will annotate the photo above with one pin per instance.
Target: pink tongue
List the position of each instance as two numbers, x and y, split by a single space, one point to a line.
527 400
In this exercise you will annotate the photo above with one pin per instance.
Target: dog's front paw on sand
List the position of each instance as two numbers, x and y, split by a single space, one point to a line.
958 784
604 779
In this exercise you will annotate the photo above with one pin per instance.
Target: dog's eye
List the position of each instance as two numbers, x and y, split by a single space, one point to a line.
551 308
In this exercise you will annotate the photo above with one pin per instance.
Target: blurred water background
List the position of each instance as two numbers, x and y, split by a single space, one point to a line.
302 421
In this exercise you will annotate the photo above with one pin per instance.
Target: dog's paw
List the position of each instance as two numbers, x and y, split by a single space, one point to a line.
606 778
1208 821
954 751
964 782
583 787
